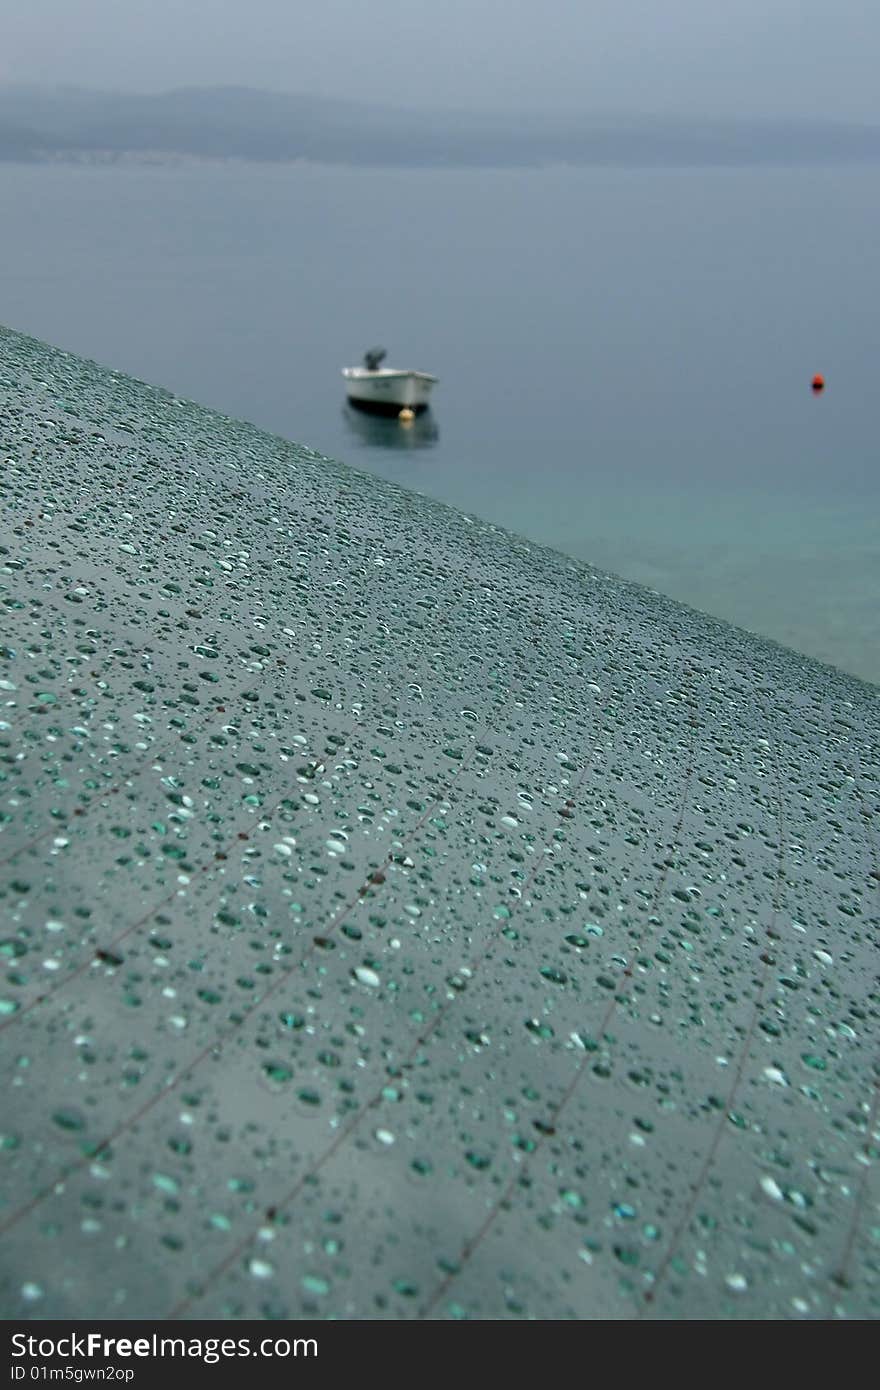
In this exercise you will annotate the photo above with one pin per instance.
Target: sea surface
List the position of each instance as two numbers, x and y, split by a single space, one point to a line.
625 356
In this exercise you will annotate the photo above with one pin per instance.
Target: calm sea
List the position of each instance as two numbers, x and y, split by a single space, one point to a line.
625 356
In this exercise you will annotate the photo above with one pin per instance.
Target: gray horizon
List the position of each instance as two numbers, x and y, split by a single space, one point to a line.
685 57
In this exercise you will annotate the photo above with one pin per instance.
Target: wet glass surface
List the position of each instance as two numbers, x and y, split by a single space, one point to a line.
402 920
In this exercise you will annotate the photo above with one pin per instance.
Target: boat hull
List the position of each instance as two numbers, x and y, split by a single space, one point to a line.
388 392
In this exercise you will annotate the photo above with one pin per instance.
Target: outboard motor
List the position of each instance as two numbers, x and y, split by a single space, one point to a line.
373 358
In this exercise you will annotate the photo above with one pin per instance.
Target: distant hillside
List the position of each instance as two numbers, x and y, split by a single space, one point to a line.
20 142
236 122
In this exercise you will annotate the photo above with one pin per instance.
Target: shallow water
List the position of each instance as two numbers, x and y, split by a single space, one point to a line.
401 920
625 356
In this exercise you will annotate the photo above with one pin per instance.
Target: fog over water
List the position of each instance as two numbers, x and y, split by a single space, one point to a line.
702 57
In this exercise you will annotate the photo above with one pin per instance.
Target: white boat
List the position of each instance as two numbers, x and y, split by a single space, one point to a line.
387 390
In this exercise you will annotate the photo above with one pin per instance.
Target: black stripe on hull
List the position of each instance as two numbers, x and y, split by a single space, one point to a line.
385 407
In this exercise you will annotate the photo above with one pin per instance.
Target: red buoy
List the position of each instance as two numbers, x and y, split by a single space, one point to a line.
818 384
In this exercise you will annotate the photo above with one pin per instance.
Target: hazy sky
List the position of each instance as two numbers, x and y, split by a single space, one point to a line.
751 57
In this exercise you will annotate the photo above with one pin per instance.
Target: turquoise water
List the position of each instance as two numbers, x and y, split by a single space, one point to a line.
624 356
